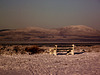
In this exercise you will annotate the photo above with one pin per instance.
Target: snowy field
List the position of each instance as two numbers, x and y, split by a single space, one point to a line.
87 63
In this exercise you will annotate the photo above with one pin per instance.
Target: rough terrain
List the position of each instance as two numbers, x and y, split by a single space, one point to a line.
45 64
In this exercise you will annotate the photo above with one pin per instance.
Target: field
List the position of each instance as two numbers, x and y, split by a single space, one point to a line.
86 61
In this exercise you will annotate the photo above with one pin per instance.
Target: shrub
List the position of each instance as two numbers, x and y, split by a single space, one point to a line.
19 50
97 50
34 49
0 52
89 50
16 49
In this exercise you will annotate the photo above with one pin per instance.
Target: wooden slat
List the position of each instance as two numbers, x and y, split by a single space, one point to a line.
64 46
62 50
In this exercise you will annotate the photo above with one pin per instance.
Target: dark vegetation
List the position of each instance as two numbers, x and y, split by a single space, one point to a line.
19 49
95 48
4 30
34 49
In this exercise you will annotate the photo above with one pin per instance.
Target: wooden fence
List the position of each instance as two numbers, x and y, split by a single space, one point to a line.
68 49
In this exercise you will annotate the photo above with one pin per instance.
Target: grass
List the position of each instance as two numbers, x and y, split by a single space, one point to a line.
18 49
34 49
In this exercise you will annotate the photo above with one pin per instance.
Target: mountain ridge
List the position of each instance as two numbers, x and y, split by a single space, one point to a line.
68 33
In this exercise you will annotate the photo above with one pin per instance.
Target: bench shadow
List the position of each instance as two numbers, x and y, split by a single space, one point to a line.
78 53
61 53
74 53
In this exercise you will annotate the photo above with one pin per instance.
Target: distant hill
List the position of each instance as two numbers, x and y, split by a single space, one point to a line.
73 33
4 30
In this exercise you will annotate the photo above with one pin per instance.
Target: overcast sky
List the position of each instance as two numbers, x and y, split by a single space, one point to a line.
49 13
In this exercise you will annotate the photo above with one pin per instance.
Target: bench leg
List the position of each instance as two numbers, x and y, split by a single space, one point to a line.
72 52
50 51
54 52
68 54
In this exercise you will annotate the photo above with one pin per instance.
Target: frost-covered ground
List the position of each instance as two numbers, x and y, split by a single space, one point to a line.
45 64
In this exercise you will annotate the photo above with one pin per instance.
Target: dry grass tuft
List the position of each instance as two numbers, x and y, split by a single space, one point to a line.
19 49
34 50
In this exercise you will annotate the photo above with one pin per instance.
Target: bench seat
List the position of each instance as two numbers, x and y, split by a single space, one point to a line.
67 49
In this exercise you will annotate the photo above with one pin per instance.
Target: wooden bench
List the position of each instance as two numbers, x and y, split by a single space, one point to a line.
68 49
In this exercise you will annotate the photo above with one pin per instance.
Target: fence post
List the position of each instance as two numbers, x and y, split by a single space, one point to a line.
72 51
55 50
50 52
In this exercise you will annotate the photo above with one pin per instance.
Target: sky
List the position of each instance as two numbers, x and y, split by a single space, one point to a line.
49 13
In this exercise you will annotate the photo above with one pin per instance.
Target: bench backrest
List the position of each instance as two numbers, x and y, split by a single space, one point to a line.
69 49
58 48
